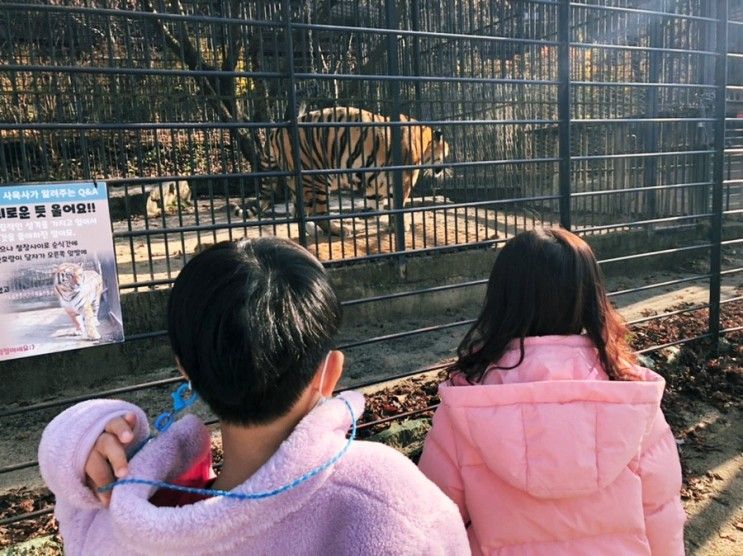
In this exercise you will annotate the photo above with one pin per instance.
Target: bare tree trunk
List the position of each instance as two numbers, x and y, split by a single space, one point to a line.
220 90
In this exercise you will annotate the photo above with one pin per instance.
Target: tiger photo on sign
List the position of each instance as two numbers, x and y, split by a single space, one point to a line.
79 292
348 147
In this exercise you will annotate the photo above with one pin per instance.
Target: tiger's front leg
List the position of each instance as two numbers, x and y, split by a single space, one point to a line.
388 221
90 319
76 320
316 204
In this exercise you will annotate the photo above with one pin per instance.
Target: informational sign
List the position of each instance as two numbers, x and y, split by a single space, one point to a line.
58 284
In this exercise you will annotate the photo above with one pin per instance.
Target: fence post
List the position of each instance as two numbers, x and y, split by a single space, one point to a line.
415 24
563 110
651 111
393 70
718 172
294 127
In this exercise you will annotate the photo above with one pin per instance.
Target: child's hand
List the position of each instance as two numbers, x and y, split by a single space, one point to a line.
107 459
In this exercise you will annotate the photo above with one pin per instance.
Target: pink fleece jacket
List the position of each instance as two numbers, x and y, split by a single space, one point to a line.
552 458
372 501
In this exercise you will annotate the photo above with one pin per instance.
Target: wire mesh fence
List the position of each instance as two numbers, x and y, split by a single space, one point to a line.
368 130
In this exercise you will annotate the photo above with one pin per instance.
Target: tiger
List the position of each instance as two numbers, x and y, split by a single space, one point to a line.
79 292
348 147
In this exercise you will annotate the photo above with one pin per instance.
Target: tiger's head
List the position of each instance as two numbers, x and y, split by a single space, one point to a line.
435 151
67 276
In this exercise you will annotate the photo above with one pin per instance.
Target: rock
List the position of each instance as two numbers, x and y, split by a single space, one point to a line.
725 346
646 361
429 201
406 437
671 354
170 197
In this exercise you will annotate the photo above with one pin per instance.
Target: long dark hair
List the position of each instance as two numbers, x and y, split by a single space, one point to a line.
544 282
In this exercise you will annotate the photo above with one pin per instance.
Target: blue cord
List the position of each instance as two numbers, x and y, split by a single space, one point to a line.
248 495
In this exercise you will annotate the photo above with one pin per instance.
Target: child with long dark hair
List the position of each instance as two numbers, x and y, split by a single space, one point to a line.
251 324
549 436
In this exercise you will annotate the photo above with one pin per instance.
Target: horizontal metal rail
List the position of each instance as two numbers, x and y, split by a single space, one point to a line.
123 126
382 77
658 85
640 223
406 334
671 344
86 397
23 517
643 48
424 34
640 155
18 466
654 253
667 314
397 417
398 295
138 126
237 222
138 14
197 125
641 11
167 16
665 284
639 120
578 194
120 70
690 309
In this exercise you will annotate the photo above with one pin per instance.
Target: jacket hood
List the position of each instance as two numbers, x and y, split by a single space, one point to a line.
554 426
317 438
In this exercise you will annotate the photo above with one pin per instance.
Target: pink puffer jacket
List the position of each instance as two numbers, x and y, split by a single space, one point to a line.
552 458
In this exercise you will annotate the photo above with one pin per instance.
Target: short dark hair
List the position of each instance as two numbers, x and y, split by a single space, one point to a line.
250 321
544 282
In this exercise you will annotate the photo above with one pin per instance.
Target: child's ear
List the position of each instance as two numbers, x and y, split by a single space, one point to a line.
325 382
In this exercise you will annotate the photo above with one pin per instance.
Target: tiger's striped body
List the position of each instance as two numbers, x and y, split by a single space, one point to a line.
79 292
351 147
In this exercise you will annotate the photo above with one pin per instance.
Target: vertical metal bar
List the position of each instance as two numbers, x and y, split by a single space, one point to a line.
394 70
294 128
651 133
563 110
718 172
415 25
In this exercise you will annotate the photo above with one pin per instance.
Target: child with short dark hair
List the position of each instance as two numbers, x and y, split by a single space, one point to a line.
251 324
549 437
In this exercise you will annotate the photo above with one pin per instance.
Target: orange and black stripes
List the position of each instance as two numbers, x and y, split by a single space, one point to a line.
366 148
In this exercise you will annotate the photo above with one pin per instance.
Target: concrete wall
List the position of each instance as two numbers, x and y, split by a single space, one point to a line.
35 378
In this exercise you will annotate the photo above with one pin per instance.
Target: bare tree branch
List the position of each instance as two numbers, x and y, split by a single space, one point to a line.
220 91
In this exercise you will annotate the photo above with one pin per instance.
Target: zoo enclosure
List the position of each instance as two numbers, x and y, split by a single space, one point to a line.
600 116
